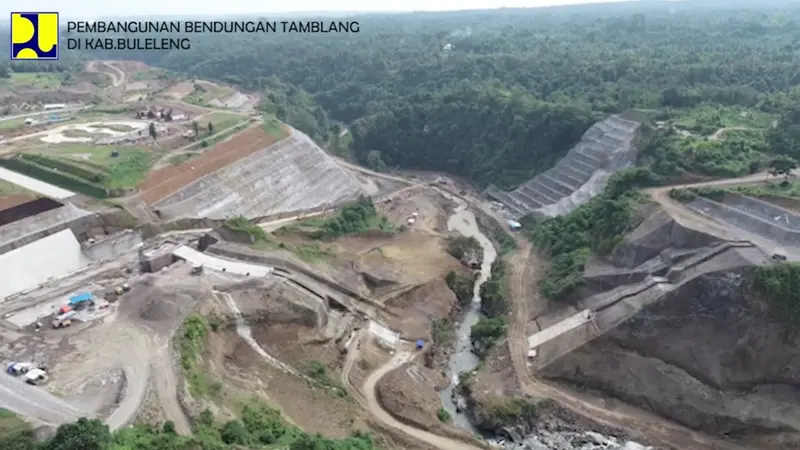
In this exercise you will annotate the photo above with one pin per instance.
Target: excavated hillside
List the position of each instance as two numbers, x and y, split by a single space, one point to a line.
704 350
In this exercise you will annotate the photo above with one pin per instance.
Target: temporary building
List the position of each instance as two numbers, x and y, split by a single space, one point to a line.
80 298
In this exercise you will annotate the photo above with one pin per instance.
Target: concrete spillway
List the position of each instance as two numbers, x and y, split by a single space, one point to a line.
605 148
28 266
290 175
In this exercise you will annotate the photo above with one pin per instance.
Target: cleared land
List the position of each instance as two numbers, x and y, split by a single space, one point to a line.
163 182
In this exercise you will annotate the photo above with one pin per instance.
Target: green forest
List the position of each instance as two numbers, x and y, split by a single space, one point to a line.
498 96
260 427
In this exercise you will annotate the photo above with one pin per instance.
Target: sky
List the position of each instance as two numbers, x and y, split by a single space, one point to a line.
90 9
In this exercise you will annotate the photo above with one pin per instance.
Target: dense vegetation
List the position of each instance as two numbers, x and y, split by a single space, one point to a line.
499 95
780 286
260 427
354 218
596 226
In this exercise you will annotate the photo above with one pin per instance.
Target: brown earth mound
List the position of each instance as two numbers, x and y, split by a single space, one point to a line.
160 308
411 312
161 183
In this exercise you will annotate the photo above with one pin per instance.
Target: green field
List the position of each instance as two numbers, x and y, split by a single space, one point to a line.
706 120
88 169
36 80
7 188
221 121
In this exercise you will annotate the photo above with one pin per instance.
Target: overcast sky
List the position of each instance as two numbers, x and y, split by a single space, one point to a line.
103 8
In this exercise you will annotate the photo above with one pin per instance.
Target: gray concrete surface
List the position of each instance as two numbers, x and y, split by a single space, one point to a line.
735 215
33 264
221 264
29 229
583 173
32 184
290 175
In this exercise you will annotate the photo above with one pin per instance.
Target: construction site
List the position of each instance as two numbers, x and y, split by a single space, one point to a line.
339 332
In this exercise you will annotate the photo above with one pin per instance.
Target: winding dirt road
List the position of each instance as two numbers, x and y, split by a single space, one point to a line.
115 73
375 408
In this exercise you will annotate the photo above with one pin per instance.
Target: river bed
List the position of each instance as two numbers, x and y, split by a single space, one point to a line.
464 360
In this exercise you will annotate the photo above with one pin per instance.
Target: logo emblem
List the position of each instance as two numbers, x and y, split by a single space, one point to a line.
34 36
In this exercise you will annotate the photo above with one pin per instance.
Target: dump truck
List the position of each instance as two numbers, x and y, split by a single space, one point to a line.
19 368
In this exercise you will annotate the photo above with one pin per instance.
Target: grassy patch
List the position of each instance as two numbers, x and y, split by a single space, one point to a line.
128 171
221 121
8 188
273 127
36 80
443 415
246 226
181 158
706 120
319 372
191 344
14 432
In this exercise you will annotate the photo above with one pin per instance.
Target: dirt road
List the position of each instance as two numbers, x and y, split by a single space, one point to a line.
375 408
167 388
116 74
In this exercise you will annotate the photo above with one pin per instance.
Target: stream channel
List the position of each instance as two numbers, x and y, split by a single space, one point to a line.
463 359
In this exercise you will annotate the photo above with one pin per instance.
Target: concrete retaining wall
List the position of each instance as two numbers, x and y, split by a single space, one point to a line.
112 246
30 229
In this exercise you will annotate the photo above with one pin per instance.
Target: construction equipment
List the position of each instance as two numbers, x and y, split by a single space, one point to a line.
125 287
64 320
118 290
35 376
197 269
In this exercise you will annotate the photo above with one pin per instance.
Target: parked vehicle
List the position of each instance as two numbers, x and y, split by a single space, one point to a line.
63 320
35 376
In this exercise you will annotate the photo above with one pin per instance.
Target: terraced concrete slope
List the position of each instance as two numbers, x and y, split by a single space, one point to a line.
604 149
290 175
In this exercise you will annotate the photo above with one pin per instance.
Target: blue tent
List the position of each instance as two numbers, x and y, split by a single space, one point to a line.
80 298
420 344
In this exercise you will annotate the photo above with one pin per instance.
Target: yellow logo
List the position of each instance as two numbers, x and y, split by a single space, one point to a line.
34 36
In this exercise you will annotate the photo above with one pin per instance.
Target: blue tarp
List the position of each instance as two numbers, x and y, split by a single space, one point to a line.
80 298
420 343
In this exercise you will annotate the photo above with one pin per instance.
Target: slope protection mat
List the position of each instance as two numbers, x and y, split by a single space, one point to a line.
605 148
289 175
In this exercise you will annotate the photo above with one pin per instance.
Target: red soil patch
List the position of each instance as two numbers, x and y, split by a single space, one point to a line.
10 201
163 182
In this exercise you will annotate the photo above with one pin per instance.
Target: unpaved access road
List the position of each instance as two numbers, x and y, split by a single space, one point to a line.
375 408
115 73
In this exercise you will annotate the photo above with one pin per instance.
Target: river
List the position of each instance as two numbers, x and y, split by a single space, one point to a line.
463 359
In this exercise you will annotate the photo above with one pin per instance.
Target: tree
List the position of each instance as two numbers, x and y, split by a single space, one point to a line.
375 162
85 434
210 128
196 128
782 165
152 130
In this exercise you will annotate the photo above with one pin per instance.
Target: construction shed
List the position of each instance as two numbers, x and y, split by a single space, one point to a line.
80 298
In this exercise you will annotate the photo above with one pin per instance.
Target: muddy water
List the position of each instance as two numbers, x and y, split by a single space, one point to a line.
463 360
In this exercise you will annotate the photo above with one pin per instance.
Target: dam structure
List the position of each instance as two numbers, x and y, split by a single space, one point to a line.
290 175
605 148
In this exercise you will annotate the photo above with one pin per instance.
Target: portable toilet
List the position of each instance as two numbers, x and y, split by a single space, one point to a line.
420 344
